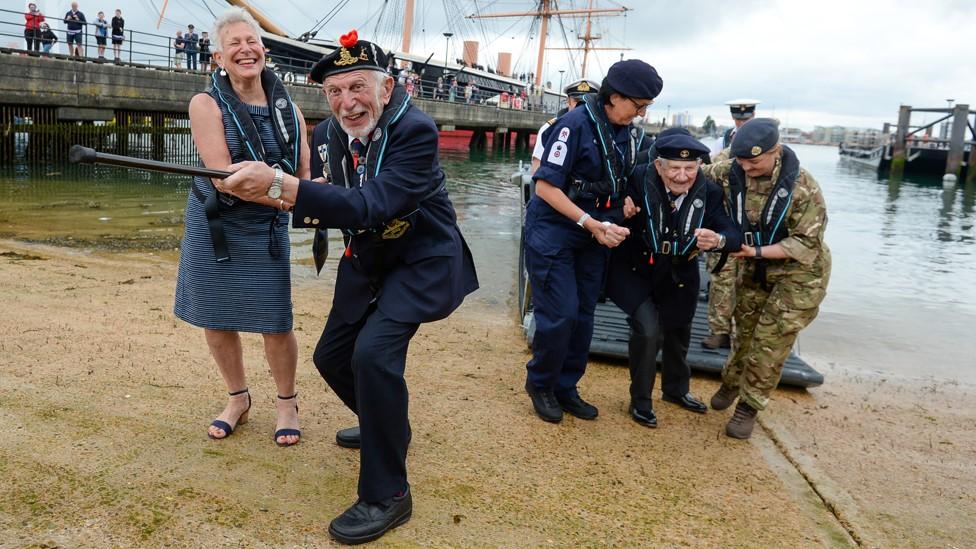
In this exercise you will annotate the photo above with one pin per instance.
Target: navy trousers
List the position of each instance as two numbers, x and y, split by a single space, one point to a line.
565 288
646 337
363 362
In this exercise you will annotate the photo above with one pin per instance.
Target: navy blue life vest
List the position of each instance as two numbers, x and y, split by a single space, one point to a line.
617 167
284 119
771 227
672 233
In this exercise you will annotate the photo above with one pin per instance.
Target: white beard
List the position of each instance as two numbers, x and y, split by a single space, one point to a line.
360 133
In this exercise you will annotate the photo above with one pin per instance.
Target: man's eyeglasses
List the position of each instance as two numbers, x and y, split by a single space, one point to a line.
641 109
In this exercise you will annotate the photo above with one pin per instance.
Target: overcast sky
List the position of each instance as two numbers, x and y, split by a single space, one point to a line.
811 63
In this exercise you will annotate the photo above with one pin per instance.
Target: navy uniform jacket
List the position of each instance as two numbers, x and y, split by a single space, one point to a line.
671 281
571 152
431 270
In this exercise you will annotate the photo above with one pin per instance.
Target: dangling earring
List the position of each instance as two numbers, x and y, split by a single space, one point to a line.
223 72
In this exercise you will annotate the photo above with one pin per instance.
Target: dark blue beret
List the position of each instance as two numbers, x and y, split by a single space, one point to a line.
634 78
679 146
755 137
352 55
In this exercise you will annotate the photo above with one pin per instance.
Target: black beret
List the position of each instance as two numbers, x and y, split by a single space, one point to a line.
581 88
679 145
634 78
353 54
755 137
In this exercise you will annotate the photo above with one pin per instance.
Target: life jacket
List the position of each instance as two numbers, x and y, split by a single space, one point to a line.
340 163
616 167
771 227
672 233
284 119
376 248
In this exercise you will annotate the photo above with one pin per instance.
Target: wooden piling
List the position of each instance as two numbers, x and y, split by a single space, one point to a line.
960 123
898 147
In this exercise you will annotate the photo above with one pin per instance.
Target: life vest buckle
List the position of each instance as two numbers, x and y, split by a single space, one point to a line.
666 247
750 241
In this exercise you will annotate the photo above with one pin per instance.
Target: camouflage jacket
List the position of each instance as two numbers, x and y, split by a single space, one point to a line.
808 254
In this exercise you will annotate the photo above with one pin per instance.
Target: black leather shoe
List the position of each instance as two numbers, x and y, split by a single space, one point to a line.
644 417
367 521
351 437
688 402
545 404
578 407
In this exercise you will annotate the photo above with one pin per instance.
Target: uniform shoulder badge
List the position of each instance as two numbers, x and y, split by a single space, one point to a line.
563 134
557 154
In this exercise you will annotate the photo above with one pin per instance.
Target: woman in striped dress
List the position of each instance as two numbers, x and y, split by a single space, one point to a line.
234 273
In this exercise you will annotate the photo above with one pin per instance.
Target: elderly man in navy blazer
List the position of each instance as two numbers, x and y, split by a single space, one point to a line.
405 261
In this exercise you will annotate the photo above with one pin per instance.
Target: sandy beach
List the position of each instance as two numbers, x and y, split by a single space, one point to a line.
105 397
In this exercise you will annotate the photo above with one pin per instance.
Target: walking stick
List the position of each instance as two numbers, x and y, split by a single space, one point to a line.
84 155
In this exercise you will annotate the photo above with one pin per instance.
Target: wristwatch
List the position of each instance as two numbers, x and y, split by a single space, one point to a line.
274 191
721 242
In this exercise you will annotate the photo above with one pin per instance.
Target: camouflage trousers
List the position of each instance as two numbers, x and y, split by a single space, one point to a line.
766 325
721 294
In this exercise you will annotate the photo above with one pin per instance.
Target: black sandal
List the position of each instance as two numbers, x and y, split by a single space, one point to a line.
288 432
241 419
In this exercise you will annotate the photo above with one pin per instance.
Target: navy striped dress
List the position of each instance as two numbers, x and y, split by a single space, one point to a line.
252 291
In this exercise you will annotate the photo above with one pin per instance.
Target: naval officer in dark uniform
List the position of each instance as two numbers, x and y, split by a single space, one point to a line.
405 261
654 277
571 223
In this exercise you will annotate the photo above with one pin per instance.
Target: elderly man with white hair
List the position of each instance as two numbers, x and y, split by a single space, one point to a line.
405 261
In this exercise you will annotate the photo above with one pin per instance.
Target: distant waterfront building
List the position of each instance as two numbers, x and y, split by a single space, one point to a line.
791 135
835 135
681 120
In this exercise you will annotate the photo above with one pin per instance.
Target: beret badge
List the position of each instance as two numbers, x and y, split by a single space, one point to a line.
685 153
756 151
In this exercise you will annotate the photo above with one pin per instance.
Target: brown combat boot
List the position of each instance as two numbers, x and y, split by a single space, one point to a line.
742 422
724 397
717 341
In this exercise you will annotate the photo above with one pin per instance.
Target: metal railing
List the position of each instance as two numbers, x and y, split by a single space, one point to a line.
144 49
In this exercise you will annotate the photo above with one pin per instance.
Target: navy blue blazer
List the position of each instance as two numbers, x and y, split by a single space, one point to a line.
671 281
420 277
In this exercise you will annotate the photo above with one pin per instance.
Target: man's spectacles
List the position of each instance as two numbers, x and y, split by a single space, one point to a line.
641 109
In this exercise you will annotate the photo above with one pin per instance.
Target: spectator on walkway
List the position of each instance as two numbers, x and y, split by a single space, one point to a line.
118 34
439 89
32 27
452 90
101 34
47 38
205 57
179 46
468 92
76 23
190 40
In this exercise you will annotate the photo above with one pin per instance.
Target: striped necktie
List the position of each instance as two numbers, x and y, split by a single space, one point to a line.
358 151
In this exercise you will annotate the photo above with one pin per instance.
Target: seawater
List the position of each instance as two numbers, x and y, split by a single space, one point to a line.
900 302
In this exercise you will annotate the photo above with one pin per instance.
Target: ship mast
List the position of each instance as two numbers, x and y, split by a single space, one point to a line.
262 19
407 26
588 39
547 8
